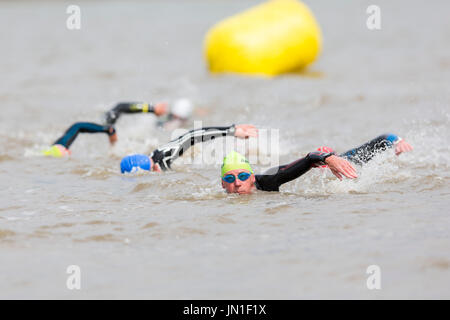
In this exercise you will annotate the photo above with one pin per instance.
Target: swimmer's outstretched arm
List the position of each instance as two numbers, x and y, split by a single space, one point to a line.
339 166
70 135
132 107
273 178
367 151
166 154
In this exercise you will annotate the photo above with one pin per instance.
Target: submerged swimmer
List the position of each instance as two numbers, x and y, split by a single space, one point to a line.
237 174
60 147
179 113
111 117
162 158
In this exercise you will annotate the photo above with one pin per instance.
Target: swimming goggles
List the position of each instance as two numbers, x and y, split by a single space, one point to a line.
230 178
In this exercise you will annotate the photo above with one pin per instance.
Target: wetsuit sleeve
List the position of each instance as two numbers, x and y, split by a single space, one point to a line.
127 107
367 151
272 179
70 135
166 154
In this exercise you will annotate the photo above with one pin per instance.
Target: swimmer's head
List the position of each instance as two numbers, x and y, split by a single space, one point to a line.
182 108
57 151
135 162
237 174
233 161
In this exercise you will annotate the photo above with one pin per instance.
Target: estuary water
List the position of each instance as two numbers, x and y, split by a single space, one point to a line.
177 235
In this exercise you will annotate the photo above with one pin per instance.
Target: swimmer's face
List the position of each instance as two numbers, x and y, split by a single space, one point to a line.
238 186
155 166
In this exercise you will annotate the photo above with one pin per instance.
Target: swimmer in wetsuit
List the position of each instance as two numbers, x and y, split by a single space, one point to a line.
238 177
60 147
178 115
180 112
162 158
237 174
111 117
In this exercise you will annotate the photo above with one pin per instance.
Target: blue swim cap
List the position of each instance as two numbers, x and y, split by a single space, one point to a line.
392 138
134 162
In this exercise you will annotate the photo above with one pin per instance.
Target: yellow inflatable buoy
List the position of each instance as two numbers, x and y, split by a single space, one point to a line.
275 37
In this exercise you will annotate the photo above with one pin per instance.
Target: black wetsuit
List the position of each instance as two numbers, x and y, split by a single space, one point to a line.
273 178
127 107
70 135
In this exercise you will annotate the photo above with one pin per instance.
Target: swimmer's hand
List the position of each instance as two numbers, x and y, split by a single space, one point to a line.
244 131
112 135
113 138
340 166
402 146
156 167
160 108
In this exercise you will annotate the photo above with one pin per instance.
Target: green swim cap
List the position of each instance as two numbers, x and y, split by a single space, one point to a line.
235 161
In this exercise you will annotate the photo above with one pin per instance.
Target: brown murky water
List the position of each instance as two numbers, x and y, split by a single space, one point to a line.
177 235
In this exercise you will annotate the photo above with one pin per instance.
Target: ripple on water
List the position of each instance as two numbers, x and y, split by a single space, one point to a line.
96 173
224 220
10 208
150 225
5 157
101 222
5 233
108 237
142 186
277 209
58 225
